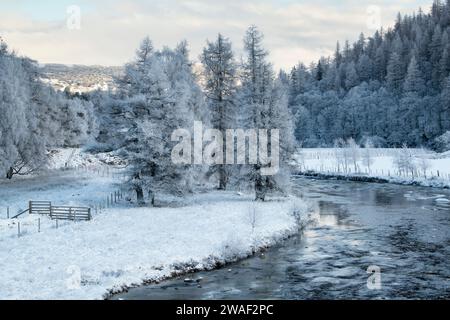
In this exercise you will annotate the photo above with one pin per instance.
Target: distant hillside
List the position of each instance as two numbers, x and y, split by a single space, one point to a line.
79 78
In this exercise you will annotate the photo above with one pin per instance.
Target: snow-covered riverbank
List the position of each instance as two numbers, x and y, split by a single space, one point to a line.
123 247
416 167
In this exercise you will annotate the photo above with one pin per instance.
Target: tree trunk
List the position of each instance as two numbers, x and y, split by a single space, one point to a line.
151 196
10 173
223 178
260 191
139 195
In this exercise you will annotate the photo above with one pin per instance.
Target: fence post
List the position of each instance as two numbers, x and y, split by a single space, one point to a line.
39 225
18 229
7 212
29 207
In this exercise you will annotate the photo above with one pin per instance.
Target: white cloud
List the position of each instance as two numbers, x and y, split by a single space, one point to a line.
109 34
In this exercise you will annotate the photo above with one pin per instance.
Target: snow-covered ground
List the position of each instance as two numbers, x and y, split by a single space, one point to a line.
431 169
123 245
68 188
126 246
76 158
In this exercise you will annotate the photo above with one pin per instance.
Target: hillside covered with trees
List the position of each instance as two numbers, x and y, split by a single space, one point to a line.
34 117
392 87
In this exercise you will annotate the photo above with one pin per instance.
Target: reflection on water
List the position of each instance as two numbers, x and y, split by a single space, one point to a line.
331 214
403 230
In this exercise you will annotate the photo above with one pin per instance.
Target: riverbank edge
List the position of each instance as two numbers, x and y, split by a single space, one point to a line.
431 183
218 262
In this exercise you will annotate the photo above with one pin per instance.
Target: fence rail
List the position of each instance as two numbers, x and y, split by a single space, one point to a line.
70 213
21 213
39 207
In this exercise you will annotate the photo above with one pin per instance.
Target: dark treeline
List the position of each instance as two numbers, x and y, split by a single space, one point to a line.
393 87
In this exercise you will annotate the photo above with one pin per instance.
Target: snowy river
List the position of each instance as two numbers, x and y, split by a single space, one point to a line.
402 230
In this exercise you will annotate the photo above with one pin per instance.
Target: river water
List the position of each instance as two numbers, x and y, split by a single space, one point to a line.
404 231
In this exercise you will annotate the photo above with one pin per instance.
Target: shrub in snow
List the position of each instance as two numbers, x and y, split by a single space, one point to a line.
405 161
442 143
298 212
232 248
354 153
342 155
374 141
367 157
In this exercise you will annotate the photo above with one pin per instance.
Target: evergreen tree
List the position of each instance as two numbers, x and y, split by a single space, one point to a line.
414 81
394 77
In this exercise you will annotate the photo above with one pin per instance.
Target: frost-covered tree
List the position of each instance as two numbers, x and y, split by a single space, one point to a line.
161 102
339 155
33 116
17 123
219 70
443 142
423 162
351 77
445 105
263 103
394 77
354 153
405 161
280 118
367 157
414 81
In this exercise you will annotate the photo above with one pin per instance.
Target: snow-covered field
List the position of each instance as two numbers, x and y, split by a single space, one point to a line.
428 168
124 246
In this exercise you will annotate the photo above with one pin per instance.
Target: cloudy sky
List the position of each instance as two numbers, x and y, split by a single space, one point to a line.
108 31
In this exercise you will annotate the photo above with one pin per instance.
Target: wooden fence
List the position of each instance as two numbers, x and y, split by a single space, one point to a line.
70 213
57 212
